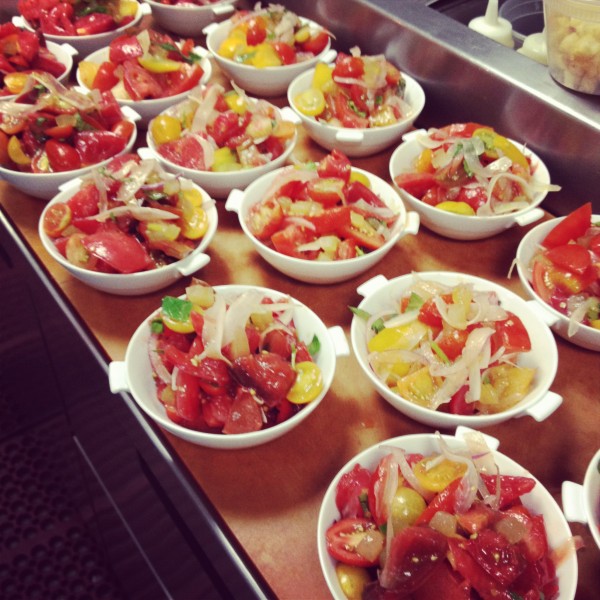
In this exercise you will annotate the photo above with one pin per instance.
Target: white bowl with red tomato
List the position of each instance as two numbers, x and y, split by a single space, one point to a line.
263 58
356 125
557 262
449 349
86 33
231 366
220 139
129 229
41 154
143 74
421 497
468 182
189 17
22 52
322 223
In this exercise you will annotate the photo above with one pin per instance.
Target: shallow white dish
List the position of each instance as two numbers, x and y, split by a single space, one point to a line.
581 503
147 109
379 294
267 82
86 44
462 227
135 375
585 336
46 185
133 284
190 20
357 142
220 184
539 501
311 271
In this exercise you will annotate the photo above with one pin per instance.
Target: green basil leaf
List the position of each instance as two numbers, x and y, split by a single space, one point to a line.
176 308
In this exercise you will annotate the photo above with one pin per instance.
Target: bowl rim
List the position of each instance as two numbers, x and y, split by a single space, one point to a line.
167 101
529 240
80 272
252 172
250 69
187 8
444 419
417 109
416 440
454 219
239 440
395 232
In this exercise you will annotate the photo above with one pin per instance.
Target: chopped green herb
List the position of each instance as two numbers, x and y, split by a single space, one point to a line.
516 596
156 326
355 109
314 346
414 302
376 326
440 353
191 58
155 195
176 308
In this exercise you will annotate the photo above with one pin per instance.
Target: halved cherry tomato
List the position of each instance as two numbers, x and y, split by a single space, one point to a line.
139 83
105 78
328 191
347 66
84 203
288 239
335 164
416 184
345 538
245 414
316 44
570 228
62 156
351 492
56 218
570 257
122 252
286 53
265 218
123 48
96 146
512 334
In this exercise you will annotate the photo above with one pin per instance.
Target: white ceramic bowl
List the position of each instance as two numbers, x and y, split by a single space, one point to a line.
189 20
311 271
135 375
380 294
357 142
581 503
86 44
267 82
462 227
219 184
147 109
64 53
133 284
585 336
539 501
46 185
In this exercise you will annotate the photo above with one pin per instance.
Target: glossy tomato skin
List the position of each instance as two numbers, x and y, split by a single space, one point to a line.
335 164
62 157
343 537
245 415
96 146
570 228
351 492
122 252
511 334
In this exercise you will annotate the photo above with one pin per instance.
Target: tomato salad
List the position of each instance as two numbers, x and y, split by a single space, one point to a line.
450 348
445 525
148 65
231 365
357 92
470 169
127 217
22 52
215 130
77 17
565 272
50 128
322 211
272 37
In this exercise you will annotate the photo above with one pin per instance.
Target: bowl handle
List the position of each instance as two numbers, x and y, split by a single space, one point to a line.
371 285
543 313
146 153
70 185
289 114
117 377
544 407
531 216
407 137
234 201
223 9
145 9
413 222
210 28
69 49
193 263
573 502
329 56
463 432
130 113
339 341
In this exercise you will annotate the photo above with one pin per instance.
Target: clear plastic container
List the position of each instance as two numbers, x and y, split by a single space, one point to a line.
573 39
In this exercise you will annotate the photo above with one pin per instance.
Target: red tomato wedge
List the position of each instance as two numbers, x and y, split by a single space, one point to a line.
570 228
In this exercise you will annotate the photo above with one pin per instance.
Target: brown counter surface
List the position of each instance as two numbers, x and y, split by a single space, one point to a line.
270 496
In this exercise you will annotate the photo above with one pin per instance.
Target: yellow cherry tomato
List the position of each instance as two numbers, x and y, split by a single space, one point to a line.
14 82
156 64
195 219
165 128
236 102
225 159
265 56
423 162
322 77
435 475
310 102
232 46
459 208
403 337
177 326
497 145
56 218
308 384
87 71
16 152
127 8
356 176
352 580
